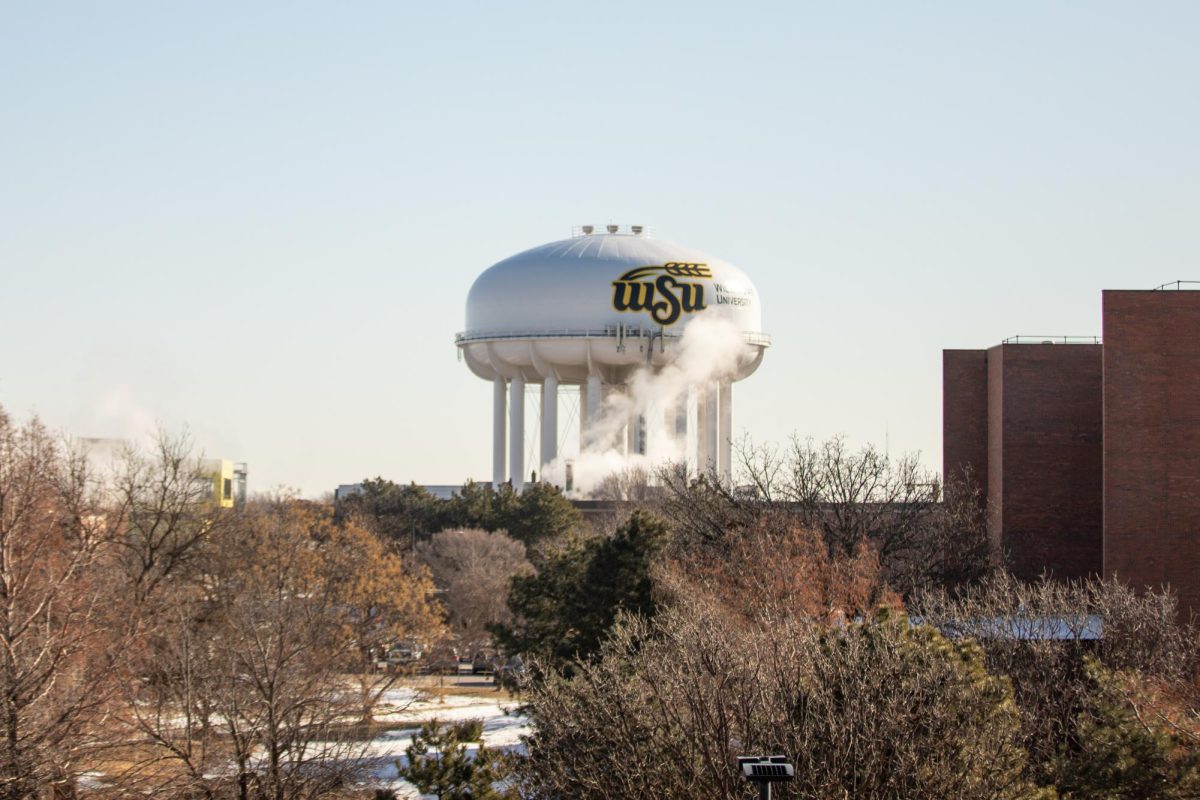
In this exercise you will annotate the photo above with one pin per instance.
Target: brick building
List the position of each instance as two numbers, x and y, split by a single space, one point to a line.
1024 421
1088 455
1152 440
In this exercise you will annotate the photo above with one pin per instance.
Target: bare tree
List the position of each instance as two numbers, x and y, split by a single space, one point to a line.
702 511
243 695
81 558
472 568
893 504
386 597
877 709
632 484
245 691
162 504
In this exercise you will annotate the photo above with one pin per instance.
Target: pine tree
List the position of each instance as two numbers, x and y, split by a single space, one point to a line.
1118 753
439 762
565 611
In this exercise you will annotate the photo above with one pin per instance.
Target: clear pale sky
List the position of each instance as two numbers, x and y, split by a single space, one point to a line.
261 219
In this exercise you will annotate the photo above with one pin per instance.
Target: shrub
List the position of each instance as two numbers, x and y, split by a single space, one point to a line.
877 709
440 764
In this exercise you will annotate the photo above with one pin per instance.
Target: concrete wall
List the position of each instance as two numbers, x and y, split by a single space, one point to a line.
1152 440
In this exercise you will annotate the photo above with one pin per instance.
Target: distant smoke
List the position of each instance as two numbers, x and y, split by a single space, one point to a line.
709 350
117 414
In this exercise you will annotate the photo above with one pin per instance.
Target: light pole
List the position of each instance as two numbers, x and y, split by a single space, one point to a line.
765 770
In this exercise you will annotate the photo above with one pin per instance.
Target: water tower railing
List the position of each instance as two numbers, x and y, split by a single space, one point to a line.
610 332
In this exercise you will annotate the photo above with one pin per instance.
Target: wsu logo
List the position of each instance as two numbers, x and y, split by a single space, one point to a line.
656 290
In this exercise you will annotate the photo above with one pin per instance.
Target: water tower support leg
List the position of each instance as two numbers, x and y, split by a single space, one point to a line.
712 428
640 434
549 422
681 421
674 430
614 437
726 442
498 430
593 409
583 418
516 432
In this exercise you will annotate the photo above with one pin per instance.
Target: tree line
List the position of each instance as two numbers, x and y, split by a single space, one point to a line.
839 609
155 644
834 606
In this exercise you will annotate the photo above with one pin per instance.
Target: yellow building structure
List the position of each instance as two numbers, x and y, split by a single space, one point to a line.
228 481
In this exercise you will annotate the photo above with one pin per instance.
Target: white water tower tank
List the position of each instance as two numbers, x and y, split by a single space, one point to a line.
591 311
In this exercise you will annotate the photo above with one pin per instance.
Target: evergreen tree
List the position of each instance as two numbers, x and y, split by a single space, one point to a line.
407 514
539 514
474 506
565 610
410 514
1118 753
439 763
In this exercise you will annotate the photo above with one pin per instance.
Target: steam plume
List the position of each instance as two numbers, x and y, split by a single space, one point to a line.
709 350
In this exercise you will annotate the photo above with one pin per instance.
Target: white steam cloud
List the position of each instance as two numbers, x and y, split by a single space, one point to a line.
709 350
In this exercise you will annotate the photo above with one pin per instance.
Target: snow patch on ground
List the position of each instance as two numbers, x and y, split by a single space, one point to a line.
502 730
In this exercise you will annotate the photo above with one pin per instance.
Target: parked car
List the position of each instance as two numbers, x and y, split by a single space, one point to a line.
510 674
441 661
483 663
403 655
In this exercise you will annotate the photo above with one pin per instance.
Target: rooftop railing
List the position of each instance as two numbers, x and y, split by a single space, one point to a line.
1177 286
1026 339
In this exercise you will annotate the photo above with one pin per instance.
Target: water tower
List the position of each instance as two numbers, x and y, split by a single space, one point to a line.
593 312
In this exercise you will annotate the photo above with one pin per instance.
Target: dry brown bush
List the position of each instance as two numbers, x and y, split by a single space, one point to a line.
877 709
777 569
1040 634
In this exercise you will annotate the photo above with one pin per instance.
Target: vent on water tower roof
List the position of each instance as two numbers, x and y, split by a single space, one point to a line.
637 229
613 228
587 229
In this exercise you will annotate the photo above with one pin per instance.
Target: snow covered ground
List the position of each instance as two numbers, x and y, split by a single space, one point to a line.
502 729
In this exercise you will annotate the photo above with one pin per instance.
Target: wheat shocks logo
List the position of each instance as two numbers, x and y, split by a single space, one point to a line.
656 290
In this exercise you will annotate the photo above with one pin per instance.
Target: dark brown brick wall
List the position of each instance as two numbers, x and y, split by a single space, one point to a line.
1028 419
1046 457
995 439
964 417
1152 440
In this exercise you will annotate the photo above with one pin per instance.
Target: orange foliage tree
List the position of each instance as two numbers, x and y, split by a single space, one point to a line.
777 568
247 691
